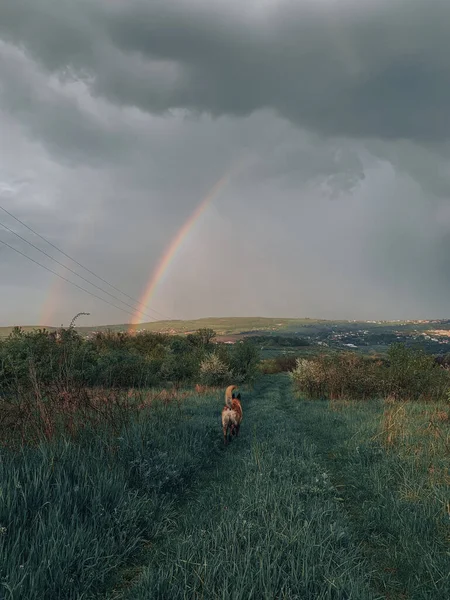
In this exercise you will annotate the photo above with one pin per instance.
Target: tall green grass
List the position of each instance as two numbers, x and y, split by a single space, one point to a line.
73 513
390 461
323 500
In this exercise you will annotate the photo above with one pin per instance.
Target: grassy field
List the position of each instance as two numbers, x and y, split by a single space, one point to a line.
315 499
73 512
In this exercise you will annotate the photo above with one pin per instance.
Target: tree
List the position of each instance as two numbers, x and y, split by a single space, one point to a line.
202 338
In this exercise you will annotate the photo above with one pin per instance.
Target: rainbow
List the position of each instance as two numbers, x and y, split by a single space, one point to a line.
51 303
76 239
171 251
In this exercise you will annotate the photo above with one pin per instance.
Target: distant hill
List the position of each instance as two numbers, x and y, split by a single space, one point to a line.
224 326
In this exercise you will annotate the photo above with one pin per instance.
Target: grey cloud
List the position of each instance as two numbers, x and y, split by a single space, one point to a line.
120 117
425 163
53 114
364 70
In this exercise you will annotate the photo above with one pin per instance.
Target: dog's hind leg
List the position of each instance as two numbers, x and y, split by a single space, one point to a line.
225 434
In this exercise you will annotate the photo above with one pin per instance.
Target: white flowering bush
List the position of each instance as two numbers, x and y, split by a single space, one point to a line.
308 377
214 371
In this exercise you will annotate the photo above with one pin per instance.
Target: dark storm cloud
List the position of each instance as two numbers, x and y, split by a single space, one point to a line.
120 116
53 115
368 69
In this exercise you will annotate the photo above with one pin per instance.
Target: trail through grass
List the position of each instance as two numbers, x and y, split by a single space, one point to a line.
265 524
392 472
313 501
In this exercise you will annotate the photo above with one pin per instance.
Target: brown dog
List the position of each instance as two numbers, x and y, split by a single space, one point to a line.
231 414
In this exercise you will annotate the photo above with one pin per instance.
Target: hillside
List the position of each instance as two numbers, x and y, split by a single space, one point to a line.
222 325
364 336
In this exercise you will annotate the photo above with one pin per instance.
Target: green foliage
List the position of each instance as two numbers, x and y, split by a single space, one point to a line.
112 359
46 379
123 369
73 513
50 381
413 374
214 371
43 352
223 351
180 367
202 338
244 362
407 374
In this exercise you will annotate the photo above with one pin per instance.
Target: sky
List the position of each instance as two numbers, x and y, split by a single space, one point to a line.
330 118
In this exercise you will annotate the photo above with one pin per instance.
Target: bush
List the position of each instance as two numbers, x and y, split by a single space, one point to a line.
414 374
45 354
123 369
244 362
202 338
214 372
38 370
338 375
180 367
58 381
407 374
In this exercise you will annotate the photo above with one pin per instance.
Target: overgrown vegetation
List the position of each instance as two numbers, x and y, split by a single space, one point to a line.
405 374
266 524
389 460
106 452
55 381
75 510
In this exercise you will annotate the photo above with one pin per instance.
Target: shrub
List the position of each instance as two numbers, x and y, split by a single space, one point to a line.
214 372
407 374
339 375
285 363
123 369
202 338
34 365
180 368
244 362
309 377
413 374
47 354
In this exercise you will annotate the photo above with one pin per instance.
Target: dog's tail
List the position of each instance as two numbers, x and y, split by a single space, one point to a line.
229 394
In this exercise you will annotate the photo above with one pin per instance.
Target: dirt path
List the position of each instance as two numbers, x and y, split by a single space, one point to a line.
266 523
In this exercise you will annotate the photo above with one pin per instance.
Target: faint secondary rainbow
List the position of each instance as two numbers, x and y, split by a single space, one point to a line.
53 299
171 251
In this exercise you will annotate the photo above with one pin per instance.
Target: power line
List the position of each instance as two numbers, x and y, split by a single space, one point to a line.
75 273
65 279
82 266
